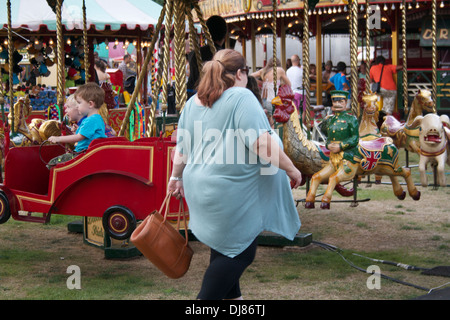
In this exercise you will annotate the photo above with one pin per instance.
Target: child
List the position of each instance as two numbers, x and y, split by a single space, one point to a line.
73 117
89 98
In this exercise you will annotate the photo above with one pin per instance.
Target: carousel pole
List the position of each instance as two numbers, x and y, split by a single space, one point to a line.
130 107
354 57
405 68
163 67
367 89
180 55
166 58
434 54
85 45
274 44
10 57
60 58
306 80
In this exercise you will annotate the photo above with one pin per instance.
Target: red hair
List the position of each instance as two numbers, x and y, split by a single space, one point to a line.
219 75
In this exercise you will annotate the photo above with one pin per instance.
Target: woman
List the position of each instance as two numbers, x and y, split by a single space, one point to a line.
224 144
266 75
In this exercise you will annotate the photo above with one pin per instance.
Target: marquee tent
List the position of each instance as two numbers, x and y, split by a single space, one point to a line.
116 14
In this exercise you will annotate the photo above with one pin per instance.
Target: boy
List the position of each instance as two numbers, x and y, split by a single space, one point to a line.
89 98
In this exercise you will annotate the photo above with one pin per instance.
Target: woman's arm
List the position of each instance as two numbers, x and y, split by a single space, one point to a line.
269 150
176 179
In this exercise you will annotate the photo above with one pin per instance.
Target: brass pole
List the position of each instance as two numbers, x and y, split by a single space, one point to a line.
306 80
10 57
141 78
434 54
405 66
354 58
274 44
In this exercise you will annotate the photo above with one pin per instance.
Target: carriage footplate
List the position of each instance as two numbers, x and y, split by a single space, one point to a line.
267 238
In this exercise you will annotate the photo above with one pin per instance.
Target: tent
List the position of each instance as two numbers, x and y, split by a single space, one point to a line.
114 14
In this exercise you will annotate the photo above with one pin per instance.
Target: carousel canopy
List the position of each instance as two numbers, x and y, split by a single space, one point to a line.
32 14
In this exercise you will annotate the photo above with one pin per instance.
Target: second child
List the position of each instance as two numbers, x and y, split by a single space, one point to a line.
89 98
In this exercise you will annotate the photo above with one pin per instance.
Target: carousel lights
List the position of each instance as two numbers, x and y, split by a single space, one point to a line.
442 4
69 42
385 7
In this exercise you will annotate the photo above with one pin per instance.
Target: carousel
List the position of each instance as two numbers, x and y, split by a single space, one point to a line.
118 167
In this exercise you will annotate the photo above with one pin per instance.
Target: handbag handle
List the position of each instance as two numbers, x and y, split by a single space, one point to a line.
166 203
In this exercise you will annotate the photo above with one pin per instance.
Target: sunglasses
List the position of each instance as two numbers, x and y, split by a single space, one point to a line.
246 70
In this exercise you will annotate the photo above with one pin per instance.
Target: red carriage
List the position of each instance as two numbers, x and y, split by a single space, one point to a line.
115 179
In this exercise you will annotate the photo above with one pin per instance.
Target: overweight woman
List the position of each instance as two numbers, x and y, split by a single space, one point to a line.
230 167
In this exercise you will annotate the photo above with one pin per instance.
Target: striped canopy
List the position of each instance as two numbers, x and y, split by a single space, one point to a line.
32 14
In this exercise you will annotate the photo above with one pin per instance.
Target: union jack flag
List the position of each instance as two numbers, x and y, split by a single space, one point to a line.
370 159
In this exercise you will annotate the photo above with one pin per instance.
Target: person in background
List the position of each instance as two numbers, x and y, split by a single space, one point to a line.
388 87
339 80
288 64
124 67
252 85
312 73
266 75
295 76
328 72
232 206
218 29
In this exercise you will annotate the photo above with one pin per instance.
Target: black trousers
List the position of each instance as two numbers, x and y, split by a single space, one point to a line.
221 279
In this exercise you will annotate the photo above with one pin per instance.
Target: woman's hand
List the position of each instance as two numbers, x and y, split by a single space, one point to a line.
296 177
176 188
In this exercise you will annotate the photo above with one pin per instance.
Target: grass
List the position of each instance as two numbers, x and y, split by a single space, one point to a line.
34 258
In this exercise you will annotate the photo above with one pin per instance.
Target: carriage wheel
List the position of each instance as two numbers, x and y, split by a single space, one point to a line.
5 211
119 222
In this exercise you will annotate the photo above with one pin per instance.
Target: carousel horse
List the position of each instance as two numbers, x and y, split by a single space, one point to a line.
37 131
404 135
20 134
377 156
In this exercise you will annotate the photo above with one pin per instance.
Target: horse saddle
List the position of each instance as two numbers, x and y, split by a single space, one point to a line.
393 125
375 144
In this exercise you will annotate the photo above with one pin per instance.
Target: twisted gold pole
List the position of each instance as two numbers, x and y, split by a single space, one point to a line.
367 88
354 58
86 45
142 73
168 6
306 81
60 54
274 43
434 54
10 57
405 68
180 55
166 58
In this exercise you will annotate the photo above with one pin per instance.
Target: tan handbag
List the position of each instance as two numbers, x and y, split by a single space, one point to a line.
162 244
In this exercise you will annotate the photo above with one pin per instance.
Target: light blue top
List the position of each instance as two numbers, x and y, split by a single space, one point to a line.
91 128
232 196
